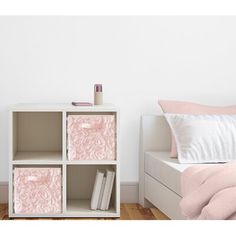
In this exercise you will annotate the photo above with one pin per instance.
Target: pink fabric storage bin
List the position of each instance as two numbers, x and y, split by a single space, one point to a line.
91 137
37 190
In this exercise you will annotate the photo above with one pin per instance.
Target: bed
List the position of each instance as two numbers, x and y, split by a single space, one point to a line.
159 175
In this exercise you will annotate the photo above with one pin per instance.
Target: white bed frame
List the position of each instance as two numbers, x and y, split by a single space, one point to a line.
155 136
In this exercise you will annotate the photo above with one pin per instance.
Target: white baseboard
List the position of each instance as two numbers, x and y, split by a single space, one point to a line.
128 192
3 192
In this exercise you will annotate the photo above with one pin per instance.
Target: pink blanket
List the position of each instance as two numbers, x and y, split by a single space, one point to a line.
209 192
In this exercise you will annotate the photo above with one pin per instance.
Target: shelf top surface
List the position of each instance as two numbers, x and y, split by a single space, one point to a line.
43 156
80 206
62 107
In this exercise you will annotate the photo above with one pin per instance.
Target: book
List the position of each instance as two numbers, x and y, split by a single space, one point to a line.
82 104
110 190
97 189
101 192
110 175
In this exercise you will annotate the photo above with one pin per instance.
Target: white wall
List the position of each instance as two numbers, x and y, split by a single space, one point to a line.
138 60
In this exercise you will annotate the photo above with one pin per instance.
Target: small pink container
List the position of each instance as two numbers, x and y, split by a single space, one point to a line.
37 190
91 137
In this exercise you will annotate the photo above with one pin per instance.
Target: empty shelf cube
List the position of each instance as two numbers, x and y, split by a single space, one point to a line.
91 137
37 190
37 136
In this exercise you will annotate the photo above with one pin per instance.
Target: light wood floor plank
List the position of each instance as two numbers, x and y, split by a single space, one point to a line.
124 213
133 211
3 212
158 214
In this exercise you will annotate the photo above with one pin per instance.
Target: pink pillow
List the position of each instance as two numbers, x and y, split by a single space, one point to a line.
178 107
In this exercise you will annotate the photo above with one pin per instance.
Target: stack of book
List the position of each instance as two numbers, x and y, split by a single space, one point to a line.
102 189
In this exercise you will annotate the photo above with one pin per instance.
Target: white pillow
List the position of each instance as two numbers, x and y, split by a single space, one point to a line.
204 138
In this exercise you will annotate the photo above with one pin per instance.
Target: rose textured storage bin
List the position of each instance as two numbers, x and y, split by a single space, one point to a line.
37 190
91 137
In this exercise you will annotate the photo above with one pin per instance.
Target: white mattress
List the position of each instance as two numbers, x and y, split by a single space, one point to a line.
165 169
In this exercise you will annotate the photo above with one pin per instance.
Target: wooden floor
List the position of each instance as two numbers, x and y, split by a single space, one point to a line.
128 212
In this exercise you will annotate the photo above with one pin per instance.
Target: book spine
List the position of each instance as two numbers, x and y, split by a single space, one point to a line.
101 193
110 191
96 190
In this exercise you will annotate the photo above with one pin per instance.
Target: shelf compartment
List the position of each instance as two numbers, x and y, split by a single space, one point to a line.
37 136
80 182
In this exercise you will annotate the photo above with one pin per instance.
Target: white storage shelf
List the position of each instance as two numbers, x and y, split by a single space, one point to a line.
38 137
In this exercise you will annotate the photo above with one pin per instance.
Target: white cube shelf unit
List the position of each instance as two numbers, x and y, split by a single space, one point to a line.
38 138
